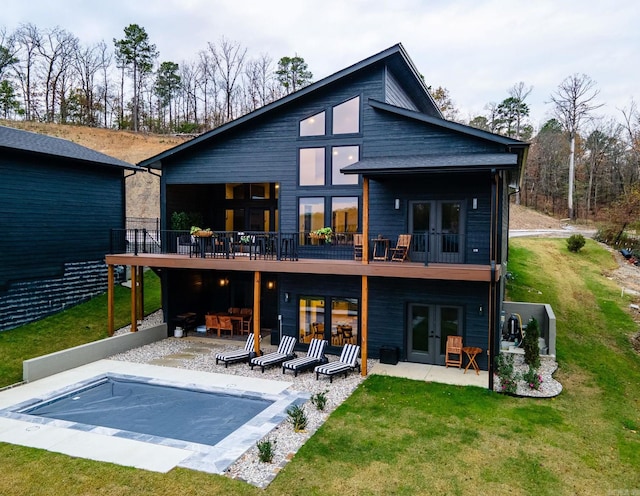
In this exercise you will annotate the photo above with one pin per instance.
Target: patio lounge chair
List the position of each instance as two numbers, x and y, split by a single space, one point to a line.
348 361
315 356
284 353
243 355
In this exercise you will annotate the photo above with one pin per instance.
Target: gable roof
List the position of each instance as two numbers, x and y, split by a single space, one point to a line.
395 57
40 144
512 158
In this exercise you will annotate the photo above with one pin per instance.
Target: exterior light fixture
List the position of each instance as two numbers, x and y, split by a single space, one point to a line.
397 204
271 284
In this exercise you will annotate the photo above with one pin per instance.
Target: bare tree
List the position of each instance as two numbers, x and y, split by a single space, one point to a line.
229 62
520 92
574 100
87 63
28 39
105 62
57 49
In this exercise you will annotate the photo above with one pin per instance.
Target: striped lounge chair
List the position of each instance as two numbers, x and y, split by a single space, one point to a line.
242 355
315 356
284 353
348 361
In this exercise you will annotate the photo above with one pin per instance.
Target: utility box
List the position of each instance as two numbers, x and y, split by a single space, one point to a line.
275 337
389 355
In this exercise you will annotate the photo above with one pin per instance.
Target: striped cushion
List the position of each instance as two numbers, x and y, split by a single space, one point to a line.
237 355
314 356
285 350
348 360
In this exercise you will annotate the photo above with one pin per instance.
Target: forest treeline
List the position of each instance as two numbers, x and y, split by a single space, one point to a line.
580 163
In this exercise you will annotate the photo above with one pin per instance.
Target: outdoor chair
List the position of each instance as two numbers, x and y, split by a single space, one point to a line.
247 319
357 246
348 361
186 242
242 355
226 324
401 252
211 323
283 353
454 351
315 356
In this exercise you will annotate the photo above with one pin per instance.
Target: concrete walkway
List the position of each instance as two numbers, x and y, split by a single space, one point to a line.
433 373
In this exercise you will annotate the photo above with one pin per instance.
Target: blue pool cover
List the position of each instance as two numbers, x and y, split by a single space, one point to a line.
170 412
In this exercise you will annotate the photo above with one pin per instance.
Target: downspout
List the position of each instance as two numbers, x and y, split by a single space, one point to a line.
492 282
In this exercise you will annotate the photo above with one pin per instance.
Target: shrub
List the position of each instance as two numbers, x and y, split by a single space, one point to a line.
319 400
530 344
266 450
506 373
532 378
298 418
575 242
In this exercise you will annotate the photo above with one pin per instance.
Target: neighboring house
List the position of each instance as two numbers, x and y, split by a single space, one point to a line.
58 201
366 152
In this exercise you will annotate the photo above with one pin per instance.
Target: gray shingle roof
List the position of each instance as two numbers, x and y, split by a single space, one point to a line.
431 163
25 141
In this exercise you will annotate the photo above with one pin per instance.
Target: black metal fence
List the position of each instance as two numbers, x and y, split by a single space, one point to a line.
425 247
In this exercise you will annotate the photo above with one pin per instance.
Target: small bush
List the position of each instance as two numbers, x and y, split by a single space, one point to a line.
575 242
532 378
298 418
319 400
266 450
530 344
506 373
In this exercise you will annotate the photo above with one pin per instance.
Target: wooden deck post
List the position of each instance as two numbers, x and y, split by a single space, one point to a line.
365 324
140 293
110 299
256 311
134 298
365 220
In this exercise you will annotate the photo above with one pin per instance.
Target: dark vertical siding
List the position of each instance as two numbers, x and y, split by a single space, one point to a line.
388 315
395 94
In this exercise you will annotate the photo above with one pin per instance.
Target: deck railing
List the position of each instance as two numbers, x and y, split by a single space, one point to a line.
291 246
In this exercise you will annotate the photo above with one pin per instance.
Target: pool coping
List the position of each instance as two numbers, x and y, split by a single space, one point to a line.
140 450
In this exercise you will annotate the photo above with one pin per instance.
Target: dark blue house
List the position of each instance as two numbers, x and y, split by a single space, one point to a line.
367 153
58 201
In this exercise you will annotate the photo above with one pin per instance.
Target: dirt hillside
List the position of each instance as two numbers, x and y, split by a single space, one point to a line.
142 188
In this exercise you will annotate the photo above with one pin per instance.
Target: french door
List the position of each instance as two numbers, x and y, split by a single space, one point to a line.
428 328
436 228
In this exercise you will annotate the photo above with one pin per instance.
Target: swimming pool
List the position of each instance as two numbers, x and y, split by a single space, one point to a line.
187 414
151 439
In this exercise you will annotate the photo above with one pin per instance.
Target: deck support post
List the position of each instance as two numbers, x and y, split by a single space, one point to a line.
256 311
365 324
134 298
110 299
365 220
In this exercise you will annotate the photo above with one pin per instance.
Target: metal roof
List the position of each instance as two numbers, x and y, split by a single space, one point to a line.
432 163
395 57
28 142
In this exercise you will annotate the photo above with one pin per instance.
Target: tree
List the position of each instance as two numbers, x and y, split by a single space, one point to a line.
27 38
7 55
135 52
444 102
167 84
9 104
573 103
520 92
510 113
480 122
293 73
229 62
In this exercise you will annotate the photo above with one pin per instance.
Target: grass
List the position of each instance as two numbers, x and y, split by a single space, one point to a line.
398 436
77 325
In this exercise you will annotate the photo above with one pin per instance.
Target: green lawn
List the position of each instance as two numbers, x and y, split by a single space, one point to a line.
397 436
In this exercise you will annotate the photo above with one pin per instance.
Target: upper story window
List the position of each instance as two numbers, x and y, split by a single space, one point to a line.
346 117
341 156
313 126
311 167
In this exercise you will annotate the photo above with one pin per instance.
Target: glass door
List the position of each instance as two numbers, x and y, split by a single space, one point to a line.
436 229
429 326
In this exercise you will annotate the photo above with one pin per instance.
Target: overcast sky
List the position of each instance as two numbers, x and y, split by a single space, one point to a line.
477 49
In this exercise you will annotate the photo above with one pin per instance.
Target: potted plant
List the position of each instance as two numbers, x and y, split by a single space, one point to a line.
323 234
201 233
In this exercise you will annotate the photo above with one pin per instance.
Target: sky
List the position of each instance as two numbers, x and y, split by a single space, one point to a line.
476 49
